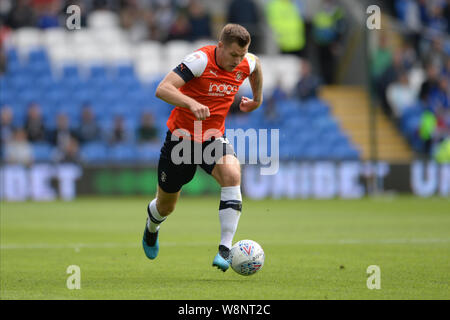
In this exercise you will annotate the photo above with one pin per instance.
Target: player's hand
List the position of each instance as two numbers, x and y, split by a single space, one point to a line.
200 111
248 105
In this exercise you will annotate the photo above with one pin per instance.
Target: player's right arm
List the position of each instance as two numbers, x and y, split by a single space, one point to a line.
192 66
168 91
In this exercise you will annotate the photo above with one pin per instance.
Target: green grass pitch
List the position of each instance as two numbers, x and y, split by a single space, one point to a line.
315 249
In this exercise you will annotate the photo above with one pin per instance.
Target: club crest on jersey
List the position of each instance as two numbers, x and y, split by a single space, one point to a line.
239 75
246 248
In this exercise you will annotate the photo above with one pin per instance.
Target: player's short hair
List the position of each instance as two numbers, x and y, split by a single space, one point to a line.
235 33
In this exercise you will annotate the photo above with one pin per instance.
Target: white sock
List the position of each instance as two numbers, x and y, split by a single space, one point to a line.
229 213
155 219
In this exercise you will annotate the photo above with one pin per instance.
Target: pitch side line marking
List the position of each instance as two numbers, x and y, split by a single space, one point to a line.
77 246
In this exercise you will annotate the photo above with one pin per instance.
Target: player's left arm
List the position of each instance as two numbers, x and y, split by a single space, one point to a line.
256 83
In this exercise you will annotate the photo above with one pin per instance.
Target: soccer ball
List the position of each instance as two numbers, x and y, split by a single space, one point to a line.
247 257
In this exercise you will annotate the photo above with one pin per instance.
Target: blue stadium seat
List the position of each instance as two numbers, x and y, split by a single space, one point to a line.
7 92
55 97
20 82
98 72
13 68
82 96
70 71
42 152
417 143
316 108
410 120
38 55
40 69
46 83
312 152
30 95
401 8
410 126
126 71
12 55
94 152
123 153
148 153
325 125
345 152
129 83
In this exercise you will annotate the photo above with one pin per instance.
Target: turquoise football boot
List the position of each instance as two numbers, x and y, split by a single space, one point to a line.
221 260
151 251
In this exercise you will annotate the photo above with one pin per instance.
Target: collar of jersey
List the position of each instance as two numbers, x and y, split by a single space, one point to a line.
215 60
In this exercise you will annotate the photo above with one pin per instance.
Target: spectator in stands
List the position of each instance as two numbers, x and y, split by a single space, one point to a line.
427 130
409 12
435 54
277 96
437 20
164 14
442 154
439 98
69 152
200 21
18 150
288 26
88 130
442 124
101 5
135 20
391 75
34 124
7 127
381 60
119 133
431 85
446 70
62 134
21 15
246 13
400 95
328 32
147 131
2 53
408 55
423 10
47 13
308 85
180 28
446 13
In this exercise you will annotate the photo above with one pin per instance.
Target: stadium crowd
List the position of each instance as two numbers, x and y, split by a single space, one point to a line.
163 21
411 76
405 77
64 137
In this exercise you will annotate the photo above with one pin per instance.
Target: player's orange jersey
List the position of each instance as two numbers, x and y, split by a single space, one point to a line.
211 86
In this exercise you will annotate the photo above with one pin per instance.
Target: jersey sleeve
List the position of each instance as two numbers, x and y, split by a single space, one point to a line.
251 59
193 65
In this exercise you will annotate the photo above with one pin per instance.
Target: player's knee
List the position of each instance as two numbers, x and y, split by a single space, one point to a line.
231 178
